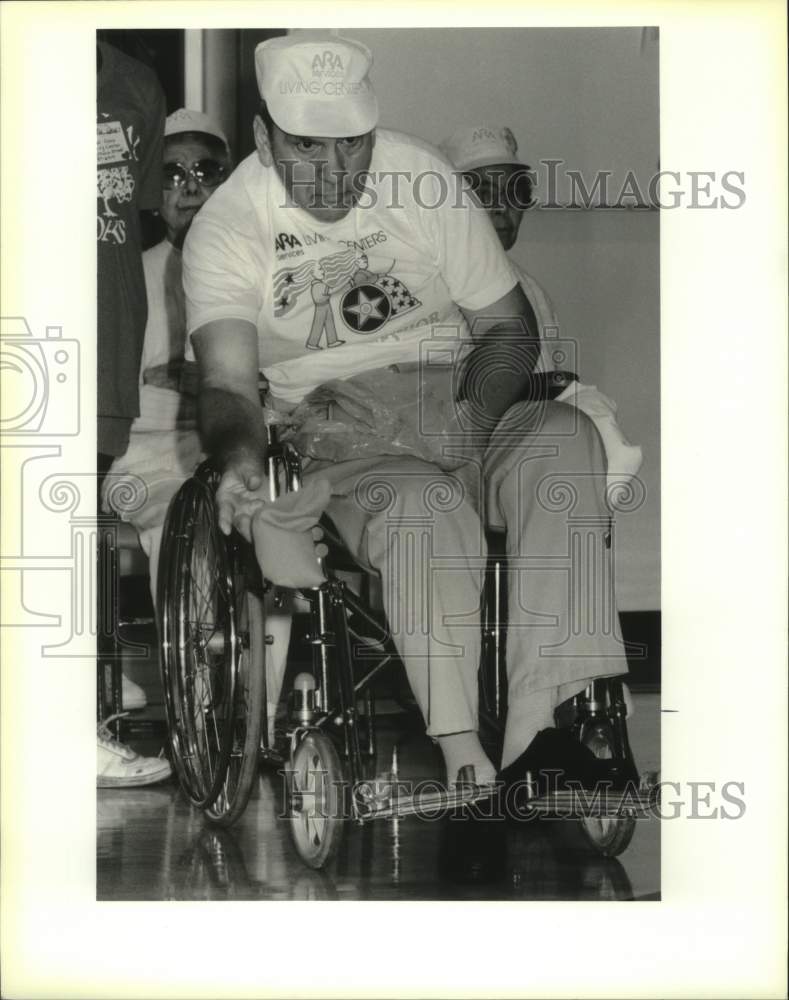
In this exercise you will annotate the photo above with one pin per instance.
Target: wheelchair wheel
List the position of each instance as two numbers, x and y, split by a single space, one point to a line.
250 699
608 835
316 799
212 653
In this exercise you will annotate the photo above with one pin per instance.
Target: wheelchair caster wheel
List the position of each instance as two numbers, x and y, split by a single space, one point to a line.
316 799
607 835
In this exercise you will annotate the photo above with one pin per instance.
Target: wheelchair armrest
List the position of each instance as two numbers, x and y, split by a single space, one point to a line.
552 384
541 386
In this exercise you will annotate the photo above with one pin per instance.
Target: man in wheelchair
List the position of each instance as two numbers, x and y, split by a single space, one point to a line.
353 268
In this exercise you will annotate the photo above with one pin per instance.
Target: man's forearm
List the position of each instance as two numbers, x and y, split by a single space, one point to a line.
231 427
498 371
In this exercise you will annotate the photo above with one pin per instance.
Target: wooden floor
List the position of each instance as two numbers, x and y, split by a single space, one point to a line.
152 845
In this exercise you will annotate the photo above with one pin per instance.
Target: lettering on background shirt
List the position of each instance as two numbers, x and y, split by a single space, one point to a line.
112 145
114 184
111 230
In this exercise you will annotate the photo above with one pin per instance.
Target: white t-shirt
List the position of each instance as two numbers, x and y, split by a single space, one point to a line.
165 331
330 300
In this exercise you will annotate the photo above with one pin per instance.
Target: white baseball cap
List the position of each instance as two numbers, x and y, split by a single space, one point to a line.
481 146
184 120
317 84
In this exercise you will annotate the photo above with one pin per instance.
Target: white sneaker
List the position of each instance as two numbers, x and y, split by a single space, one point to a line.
118 766
132 695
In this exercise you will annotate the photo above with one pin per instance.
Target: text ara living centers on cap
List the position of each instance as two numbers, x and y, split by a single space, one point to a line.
332 88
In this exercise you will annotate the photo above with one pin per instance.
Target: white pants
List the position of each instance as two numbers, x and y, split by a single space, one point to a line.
544 483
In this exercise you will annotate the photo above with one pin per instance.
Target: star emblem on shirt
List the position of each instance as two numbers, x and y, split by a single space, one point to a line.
365 309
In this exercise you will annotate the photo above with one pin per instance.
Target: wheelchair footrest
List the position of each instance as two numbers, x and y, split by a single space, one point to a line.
432 800
427 799
631 802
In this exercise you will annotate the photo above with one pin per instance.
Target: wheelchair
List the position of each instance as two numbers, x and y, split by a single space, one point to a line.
213 640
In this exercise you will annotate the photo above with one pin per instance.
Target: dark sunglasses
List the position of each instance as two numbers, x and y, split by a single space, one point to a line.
207 173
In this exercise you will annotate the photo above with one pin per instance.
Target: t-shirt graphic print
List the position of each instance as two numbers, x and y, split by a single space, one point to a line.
364 300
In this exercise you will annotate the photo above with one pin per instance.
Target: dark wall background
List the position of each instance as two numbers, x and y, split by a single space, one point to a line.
162 50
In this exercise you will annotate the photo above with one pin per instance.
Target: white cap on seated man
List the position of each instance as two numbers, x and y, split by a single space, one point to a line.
487 155
316 87
312 92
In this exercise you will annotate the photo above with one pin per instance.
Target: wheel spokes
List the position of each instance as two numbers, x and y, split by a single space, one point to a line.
213 671
204 652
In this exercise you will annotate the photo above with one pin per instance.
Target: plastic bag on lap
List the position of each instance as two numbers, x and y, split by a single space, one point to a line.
409 411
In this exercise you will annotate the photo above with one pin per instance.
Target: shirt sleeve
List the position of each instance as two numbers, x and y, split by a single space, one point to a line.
467 250
153 149
219 278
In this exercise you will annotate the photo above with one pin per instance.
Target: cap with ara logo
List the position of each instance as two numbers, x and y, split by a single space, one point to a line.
480 146
317 84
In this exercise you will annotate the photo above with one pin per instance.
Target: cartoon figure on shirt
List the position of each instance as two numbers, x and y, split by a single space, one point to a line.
323 318
368 298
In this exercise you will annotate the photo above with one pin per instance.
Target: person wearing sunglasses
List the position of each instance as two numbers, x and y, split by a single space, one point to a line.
196 161
164 446
487 156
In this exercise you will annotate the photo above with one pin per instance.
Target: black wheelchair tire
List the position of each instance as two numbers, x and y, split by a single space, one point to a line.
201 649
316 834
250 695
177 672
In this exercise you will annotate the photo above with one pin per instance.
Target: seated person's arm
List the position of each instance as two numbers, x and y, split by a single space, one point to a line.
481 281
230 418
498 370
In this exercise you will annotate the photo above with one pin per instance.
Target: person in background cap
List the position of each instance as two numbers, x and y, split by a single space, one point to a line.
487 156
163 445
196 161
399 265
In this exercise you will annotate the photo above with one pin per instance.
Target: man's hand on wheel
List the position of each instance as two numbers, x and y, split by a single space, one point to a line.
287 539
242 491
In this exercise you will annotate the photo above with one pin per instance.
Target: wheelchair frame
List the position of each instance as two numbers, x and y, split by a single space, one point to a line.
216 736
